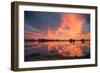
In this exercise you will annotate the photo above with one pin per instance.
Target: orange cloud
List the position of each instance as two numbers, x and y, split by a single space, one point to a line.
72 23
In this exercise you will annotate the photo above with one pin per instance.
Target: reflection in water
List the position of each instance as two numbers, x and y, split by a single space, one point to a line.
56 50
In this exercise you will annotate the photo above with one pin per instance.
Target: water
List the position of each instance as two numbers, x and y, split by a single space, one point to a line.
53 50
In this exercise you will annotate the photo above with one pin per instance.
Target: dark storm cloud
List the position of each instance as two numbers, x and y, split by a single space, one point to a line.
87 17
41 20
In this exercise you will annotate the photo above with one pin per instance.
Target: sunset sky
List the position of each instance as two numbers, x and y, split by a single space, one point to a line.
68 24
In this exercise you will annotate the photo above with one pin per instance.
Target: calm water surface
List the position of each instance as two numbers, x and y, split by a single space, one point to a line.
37 51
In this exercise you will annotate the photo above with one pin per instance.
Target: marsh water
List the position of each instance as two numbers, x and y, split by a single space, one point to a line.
53 50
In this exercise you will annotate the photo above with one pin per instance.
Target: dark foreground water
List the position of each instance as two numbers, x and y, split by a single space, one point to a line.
37 51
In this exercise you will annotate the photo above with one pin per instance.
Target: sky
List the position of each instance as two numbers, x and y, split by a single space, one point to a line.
70 23
37 20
